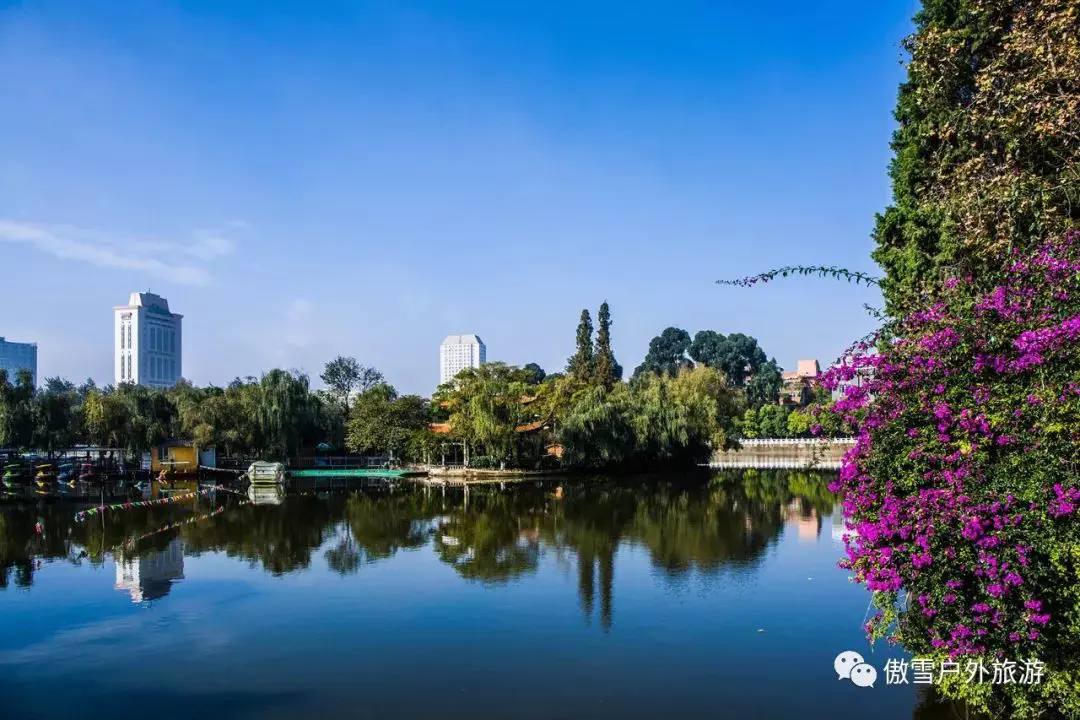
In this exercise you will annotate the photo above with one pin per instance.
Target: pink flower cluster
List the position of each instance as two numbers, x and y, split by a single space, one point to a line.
964 474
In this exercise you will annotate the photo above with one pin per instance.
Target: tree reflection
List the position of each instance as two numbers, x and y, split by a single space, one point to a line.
34 534
489 534
279 538
343 558
590 521
379 524
382 526
494 540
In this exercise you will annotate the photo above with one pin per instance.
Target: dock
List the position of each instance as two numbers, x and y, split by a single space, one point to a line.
381 473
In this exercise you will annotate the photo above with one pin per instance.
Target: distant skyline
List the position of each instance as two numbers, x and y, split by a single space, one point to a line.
308 179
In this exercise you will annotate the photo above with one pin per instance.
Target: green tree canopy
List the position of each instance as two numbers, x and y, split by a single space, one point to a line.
764 385
487 404
344 376
581 363
536 374
738 356
987 156
381 421
17 410
667 353
607 369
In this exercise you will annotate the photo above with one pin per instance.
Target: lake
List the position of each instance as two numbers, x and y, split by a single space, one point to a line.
713 596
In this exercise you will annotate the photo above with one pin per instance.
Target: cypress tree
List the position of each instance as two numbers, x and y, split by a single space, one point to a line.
987 157
608 371
582 362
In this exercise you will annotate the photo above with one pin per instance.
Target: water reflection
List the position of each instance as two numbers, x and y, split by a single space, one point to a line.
488 537
149 576
489 534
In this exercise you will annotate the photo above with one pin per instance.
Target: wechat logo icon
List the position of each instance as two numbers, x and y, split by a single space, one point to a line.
850 665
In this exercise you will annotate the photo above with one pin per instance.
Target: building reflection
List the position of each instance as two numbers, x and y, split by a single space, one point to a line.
149 576
837 521
803 520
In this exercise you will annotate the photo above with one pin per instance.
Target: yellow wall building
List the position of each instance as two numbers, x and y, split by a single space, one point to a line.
179 458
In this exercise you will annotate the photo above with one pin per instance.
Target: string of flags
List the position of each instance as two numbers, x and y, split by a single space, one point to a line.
82 515
130 543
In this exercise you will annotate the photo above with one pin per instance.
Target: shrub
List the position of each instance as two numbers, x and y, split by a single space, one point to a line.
962 491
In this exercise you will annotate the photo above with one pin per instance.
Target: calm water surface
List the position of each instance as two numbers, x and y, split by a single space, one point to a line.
715 598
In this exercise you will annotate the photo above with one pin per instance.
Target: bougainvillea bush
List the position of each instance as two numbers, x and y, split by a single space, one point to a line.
962 493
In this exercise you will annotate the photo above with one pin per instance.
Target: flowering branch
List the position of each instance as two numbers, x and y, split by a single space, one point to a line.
819 270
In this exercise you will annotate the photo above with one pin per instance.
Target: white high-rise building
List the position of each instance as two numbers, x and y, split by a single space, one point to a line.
147 342
458 352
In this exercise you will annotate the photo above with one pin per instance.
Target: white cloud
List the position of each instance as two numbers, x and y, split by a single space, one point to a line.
208 246
72 243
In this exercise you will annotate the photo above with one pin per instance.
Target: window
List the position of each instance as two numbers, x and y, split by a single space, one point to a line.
172 341
129 366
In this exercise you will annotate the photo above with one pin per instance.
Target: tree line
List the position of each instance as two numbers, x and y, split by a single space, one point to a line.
685 400
687 397
272 416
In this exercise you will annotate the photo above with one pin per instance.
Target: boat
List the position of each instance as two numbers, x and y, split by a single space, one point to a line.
266 473
88 473
65 473
266 494
45 475
13 474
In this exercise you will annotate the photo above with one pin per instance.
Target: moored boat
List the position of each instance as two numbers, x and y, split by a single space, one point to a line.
13 474
266 473
88 473
45 475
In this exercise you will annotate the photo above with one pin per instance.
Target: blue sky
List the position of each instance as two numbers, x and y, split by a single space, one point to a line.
305 178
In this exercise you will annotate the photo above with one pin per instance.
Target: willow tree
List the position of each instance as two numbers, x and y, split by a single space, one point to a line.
16 410
596 430
486 405
284 412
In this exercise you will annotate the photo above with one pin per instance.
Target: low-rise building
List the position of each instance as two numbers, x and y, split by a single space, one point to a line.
179 457
799 384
